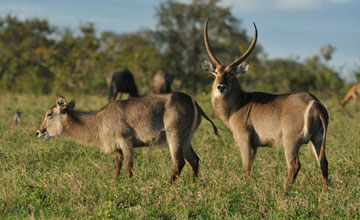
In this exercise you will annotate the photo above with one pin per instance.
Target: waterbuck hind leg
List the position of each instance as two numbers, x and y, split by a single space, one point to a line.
318 141
193 160
291 150
178 164
293 170
175 145
118 163
322 161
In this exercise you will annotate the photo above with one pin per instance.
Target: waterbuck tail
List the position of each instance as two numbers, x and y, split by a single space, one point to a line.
207 118
322 157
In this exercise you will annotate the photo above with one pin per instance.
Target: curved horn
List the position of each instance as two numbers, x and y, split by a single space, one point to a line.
247 53
207 46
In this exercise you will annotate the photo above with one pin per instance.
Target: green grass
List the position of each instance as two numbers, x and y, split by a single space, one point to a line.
61 179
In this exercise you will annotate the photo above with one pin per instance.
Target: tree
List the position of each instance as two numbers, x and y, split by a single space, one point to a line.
180 37
22 45
327 51
73 59
285 75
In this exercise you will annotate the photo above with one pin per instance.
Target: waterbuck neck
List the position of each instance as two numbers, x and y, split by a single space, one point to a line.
82 127
225 105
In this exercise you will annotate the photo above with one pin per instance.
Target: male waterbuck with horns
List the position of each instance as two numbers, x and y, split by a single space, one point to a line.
261 119
124 124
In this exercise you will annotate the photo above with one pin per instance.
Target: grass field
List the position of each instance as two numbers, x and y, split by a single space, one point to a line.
61 179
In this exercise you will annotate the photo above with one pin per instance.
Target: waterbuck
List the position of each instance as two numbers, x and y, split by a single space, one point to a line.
160 82
122 125
258 119
121 82
353 92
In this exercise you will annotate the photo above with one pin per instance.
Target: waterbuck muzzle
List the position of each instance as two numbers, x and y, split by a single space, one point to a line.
221 88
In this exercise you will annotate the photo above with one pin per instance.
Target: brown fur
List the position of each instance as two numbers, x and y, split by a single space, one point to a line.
353 92
123 125
259 119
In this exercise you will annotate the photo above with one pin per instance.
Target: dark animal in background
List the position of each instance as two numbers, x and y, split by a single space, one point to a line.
258 119
160 82
122 125
122 82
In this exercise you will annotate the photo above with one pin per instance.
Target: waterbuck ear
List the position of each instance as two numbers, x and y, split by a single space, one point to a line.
207 66
242 68
61 103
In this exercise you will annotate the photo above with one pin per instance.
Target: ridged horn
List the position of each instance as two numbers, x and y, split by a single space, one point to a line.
247 52
207 46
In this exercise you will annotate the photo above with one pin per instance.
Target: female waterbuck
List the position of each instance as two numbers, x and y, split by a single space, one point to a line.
261 119
124 124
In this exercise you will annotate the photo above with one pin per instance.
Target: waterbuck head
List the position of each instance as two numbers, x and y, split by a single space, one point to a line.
52 124
225 76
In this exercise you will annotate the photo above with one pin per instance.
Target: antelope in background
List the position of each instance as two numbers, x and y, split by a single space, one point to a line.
121 82
353 92
17 118
258 119
122 125
160 82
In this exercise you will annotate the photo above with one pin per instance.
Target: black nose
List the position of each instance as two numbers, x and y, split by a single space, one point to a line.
221 88
37 133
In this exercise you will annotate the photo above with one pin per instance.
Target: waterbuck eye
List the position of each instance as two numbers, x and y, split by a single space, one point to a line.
49 114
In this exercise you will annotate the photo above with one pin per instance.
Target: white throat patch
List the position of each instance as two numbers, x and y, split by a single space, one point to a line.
217 93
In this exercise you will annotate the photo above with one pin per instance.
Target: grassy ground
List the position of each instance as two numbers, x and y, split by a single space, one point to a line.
61 179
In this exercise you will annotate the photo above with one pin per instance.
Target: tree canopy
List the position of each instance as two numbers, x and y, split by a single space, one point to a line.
40 58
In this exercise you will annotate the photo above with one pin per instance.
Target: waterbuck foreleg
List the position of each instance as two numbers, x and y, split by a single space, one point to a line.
247 155
118 163
247 151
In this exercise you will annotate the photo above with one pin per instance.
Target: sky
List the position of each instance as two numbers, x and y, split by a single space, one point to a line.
286 28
